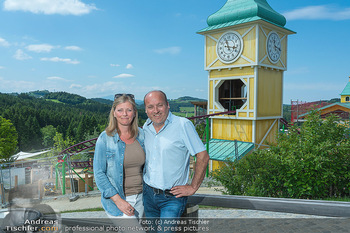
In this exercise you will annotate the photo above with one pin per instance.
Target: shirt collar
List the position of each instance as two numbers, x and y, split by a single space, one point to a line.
116 136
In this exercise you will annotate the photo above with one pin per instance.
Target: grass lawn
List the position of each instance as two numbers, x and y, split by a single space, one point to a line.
183 114
186 109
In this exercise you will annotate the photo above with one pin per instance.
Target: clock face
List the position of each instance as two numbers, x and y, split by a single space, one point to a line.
229 47
273 47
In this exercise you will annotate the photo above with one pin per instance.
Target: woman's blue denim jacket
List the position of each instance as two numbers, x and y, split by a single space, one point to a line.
108 168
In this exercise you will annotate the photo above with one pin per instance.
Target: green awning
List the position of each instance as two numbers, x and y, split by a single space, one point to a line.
223 150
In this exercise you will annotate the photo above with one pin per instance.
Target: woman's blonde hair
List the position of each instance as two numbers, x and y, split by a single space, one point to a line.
112 127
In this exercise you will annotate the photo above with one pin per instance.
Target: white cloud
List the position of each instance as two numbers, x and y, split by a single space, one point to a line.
40 48
319 13
124 76
75 86
73 48
103 87
115 65
171 50
20 55
129 66
49 7
17 86
56 78
1 67
112 87
57 59
4 43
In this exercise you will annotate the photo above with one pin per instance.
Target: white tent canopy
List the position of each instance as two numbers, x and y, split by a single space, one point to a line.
24 155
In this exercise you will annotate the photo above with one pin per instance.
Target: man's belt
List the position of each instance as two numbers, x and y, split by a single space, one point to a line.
159 191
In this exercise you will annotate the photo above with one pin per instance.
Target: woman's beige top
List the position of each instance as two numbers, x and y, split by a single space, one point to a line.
134 159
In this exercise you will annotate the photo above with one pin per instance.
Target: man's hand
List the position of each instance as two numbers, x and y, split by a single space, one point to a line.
183 190
200 168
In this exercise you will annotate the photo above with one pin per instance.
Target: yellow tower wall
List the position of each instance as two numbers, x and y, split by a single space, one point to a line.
263 33
230 129
266 131
270 86
248 34
343 98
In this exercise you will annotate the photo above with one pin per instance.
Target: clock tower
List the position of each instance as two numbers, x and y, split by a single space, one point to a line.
245 56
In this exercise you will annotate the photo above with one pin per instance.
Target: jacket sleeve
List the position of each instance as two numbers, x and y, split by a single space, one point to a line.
100 169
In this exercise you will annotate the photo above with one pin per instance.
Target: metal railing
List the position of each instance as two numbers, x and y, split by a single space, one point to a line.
285 205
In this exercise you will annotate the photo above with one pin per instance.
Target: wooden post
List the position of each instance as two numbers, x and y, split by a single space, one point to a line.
64 176
86 182
31 176
40 189
51 172
2 194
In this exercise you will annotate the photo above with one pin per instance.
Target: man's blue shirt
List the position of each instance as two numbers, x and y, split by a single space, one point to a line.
168 152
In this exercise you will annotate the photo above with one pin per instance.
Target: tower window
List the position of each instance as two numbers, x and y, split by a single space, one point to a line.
232 94
347 98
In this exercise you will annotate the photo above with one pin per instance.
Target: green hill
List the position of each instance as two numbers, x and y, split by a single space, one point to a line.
33 115
38 115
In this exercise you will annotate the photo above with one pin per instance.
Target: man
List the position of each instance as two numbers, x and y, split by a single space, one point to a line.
169 141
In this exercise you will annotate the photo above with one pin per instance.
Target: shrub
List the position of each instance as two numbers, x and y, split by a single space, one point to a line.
313 162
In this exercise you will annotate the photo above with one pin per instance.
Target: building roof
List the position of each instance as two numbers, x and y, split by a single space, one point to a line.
346 90
242 11
345 105
223 150
342 106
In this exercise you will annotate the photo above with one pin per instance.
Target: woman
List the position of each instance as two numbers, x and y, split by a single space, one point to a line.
119 159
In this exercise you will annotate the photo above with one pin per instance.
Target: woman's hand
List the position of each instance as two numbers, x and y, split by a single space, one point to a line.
123 205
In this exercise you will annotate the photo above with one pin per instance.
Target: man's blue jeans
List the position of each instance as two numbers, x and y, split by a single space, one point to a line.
160 207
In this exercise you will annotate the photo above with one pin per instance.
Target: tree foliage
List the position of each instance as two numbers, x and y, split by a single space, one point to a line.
66 98
48 133
31 116
313 162
8 140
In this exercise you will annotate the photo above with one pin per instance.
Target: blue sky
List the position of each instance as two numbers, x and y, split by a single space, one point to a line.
96 48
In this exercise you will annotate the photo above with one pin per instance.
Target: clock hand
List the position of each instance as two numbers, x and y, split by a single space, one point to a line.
278 48
233 47
227 46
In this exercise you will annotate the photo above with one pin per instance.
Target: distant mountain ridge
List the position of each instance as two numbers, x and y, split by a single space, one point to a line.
69 98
